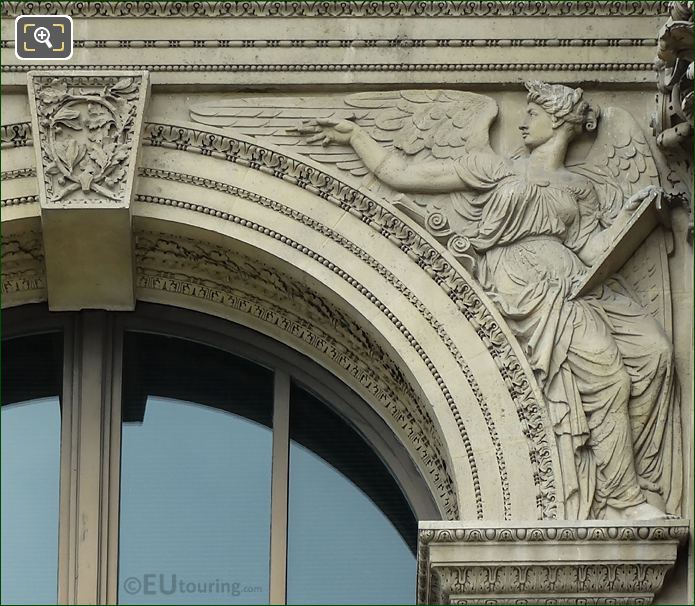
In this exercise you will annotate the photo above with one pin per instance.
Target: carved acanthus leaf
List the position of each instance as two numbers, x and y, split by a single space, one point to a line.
88 128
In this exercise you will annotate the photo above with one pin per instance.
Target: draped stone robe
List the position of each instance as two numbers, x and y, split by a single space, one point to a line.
604 364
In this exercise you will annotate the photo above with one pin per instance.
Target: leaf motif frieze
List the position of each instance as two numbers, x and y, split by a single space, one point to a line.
353 8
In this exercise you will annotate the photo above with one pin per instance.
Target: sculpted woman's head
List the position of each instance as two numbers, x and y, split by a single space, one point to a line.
553 108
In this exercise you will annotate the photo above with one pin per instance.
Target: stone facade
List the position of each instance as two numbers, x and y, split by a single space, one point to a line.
473 214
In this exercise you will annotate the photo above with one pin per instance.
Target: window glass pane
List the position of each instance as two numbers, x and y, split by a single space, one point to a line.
195 475
352 534
30 473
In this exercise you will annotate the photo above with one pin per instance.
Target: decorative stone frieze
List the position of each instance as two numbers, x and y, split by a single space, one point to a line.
86 131
383 42
548 563
328 9
23 261
15 135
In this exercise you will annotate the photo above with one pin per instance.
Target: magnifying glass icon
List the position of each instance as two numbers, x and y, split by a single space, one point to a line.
43 36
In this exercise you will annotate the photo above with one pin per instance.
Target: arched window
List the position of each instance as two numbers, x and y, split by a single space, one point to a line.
30 476
226 468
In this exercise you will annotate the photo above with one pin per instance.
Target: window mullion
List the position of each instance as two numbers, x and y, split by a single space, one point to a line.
111 480
67 537
90 395
279 488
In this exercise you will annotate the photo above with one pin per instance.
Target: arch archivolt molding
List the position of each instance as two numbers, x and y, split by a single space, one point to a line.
238 286
386 309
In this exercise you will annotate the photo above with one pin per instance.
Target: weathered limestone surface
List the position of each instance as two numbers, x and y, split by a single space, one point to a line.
549 563
458 208
88 125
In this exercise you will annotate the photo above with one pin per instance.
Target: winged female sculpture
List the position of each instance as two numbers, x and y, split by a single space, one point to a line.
532 228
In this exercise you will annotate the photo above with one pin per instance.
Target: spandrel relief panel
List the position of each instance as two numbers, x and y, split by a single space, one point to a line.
473 214
571 247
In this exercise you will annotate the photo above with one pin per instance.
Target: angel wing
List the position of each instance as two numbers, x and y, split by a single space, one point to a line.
620 164
442 124
271 120
420 124
423 124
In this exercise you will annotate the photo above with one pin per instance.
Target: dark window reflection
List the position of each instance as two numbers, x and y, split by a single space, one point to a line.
352 534
195 475
30 474
32 368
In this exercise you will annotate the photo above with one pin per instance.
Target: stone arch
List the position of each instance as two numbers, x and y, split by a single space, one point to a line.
242 231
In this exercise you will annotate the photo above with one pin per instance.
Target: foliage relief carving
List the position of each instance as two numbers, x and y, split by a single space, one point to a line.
87 126
672 122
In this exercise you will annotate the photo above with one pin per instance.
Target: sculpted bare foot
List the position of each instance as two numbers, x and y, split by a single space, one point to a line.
643 511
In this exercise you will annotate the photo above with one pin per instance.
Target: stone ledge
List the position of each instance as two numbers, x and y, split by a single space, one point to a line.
331 9
561 562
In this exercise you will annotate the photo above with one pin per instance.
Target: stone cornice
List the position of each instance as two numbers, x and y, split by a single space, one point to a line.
309 44
330 9
546 563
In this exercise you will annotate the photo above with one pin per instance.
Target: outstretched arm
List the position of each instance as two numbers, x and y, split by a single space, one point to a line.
431 177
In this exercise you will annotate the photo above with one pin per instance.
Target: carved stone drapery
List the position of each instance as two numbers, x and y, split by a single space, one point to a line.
86 128
543 238
553 563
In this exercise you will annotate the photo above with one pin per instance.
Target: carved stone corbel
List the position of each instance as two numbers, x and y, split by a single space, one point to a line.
86 131
546 562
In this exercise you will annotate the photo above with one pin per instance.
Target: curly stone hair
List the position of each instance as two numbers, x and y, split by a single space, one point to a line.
563 104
